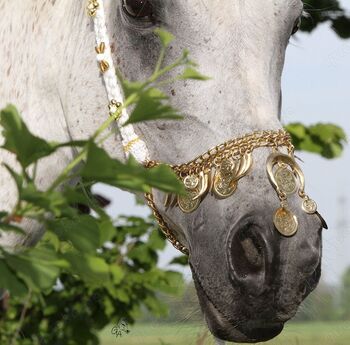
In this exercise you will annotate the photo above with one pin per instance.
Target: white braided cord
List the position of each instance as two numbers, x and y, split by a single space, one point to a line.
131 142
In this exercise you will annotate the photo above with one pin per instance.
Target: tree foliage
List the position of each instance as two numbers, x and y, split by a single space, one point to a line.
327 140
97 290
108 270
322 11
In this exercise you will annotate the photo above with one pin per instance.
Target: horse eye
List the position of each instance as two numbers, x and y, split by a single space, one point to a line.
297 25
138 8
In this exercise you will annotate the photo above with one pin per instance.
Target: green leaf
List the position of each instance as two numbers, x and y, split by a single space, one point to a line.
91 269
82 232
117 274
297 129
3 214
50 201
327 140
131 88
163 178
133 226
151 106
107 230
141 253
180 260
119 294
191 73
157 240
10 281
16 177
131 175
20 141
38 267
165 37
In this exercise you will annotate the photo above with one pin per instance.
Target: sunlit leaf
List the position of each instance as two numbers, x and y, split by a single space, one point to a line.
151 106
130 175
327 140
10 281
165 37
19 140
191 73
82 232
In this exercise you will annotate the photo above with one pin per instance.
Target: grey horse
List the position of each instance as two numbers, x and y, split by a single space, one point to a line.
249 279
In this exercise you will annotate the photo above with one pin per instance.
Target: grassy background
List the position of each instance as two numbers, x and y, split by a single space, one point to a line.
313 333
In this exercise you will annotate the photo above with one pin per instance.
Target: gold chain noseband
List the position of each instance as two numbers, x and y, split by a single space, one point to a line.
218 171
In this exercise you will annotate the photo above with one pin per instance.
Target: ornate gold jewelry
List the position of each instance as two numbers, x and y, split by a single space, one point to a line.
113 107
285 222
129 145
92 7
219 170
287 179
104 66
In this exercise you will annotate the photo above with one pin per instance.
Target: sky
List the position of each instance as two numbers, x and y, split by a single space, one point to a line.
316 88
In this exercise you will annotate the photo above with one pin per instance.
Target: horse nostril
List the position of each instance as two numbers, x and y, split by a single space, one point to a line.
246 257
249 255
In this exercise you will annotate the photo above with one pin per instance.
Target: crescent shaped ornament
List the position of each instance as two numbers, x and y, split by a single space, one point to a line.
284 179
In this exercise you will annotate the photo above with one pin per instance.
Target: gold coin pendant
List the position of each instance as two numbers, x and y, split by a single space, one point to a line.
186 202
224 188
226 168
309 206
191 182
286 180
285 222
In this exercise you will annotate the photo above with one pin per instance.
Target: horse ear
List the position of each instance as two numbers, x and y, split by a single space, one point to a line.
323 222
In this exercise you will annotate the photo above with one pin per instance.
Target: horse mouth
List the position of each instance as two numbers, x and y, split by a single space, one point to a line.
244 332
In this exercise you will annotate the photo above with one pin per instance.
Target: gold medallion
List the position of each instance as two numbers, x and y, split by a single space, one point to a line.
224 188
224 182
285 222
309 206
286 180
226 168
187 202
191 182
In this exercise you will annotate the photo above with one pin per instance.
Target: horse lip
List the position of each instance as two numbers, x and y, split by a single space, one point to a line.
252 332
222 328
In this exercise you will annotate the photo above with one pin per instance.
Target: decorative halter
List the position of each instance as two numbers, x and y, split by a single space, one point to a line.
218 170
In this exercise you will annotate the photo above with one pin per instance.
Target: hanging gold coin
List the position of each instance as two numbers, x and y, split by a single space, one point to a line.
226 168
285 222
286 180
224 188
187 202
309 206
191 182
224 181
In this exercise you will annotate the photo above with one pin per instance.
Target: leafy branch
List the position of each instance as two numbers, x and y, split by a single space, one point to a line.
88 253
327 140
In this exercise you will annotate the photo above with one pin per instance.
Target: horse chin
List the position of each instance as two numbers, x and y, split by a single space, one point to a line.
247 332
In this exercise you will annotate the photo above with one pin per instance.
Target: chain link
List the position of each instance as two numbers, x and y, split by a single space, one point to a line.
164 226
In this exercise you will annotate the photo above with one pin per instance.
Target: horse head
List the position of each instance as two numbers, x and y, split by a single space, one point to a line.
250 280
